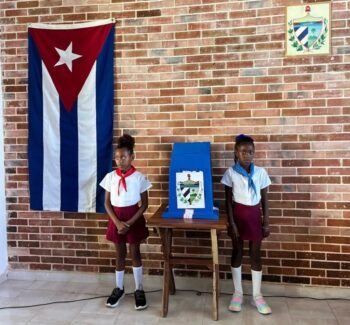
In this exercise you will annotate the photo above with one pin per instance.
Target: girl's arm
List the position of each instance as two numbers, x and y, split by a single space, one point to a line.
141 210
121 226
265 210
229 209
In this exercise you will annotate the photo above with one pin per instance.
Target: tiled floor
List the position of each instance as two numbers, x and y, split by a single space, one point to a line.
186 308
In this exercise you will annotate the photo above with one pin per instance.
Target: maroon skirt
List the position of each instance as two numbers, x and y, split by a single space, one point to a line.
136 233
248 221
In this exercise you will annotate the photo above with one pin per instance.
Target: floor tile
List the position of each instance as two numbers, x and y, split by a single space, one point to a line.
309 309
15 316
33 297
7 292
315 321
96 319
185 307
16 284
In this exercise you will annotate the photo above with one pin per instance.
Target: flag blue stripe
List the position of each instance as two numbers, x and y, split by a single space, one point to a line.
35 121
104 115
69 158
302 35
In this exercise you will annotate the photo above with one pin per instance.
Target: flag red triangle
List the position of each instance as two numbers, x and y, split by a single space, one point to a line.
85 42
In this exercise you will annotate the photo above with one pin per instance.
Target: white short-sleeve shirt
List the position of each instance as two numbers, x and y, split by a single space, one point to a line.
136 184
239 183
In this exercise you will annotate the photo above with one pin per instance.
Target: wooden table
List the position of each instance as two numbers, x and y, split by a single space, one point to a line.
166 226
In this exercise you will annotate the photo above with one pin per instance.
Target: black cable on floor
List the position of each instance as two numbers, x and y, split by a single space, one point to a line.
69 301
197 292
53 302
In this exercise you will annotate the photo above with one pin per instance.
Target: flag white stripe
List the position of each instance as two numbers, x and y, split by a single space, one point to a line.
305 39
51 134
87 148
73 26
300 30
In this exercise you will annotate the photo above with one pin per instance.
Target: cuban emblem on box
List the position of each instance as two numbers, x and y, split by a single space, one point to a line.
190 190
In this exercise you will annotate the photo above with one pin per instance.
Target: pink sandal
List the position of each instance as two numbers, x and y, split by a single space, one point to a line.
260 303
236 302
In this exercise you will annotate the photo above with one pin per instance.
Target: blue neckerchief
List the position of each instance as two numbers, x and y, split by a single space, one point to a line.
237 167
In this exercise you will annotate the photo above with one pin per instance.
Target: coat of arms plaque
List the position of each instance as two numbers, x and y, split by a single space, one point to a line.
308 29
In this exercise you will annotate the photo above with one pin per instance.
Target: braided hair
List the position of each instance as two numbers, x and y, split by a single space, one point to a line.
126 141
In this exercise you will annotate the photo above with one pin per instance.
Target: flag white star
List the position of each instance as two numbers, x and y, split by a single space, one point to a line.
67 56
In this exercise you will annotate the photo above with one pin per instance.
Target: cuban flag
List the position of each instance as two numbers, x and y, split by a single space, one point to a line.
70 115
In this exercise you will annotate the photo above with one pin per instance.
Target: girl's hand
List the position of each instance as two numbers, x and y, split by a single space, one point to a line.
266 231
122 227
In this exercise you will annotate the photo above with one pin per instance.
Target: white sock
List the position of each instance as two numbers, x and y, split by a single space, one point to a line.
237 279
119 279
138 277
256 279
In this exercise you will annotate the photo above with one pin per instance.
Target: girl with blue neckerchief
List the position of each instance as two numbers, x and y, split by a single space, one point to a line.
246 188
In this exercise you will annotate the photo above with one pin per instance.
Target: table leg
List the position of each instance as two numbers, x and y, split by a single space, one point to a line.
172 282
166 238
172 288
215 253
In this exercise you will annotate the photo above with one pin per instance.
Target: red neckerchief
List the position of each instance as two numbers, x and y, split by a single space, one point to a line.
122 176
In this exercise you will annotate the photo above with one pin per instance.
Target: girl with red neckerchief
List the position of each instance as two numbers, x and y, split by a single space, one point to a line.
126 200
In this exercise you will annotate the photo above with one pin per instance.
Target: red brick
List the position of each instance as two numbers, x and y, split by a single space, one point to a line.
172 92
295 180
44 267
74 260
338 274
310 272
325 282
309 238
280 270
198 58
325 179
310 255
281 104
74 17
325 265
325 162
268 96
311 85
148 13
184 35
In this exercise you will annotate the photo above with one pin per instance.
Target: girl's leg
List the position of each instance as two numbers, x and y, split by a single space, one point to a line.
236 265
120 264
136 264
255 260
118 293
255 255
139 294
237 253
236 269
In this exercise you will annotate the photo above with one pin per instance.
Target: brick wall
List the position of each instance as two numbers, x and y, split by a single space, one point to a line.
191 70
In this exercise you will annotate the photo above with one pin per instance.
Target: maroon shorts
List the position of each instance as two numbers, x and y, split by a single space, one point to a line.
248 221
136 233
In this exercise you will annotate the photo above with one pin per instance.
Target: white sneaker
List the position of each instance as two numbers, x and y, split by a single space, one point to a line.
260 303
236 302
